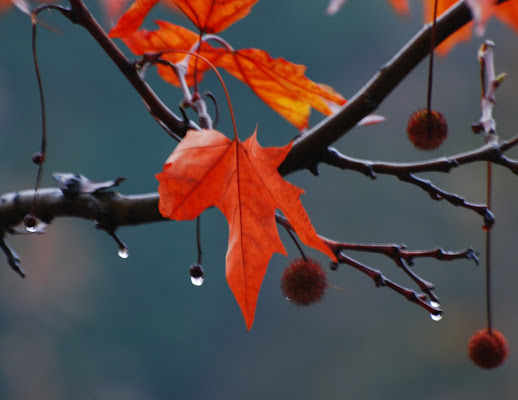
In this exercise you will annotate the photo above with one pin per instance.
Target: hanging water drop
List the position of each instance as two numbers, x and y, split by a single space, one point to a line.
196 272
197 281
123 252
436 317
434 304
30 223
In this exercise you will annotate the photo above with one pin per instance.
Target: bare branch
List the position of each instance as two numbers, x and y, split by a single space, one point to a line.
491 152
381 281
402 258
80 15
107 208
308 148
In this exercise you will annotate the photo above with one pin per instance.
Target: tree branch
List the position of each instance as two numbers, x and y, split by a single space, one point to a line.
109 210
492 151
80 15
308 148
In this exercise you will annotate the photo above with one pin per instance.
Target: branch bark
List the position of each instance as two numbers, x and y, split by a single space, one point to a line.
309 147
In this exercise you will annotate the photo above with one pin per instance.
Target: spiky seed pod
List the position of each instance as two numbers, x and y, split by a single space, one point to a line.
304 282
488 350
427 131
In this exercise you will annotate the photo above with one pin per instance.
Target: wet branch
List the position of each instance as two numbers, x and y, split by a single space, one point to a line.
492 151
402 257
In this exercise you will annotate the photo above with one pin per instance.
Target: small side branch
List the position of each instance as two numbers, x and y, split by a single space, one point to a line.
381 281
402 257
492 151
12 258
399 252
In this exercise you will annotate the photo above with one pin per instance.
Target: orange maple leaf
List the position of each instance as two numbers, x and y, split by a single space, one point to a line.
241 179
167 38
133 18
280 84
508 13
213 16
209 16
482 10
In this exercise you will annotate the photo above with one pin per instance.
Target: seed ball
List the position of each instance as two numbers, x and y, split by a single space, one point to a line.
304 282
427 130
488 350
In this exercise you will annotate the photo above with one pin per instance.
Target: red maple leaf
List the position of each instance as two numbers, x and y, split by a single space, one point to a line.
241 179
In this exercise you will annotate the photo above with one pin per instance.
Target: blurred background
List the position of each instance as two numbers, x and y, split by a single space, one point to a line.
86 324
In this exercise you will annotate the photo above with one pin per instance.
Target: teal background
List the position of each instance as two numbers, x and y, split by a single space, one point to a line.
86 324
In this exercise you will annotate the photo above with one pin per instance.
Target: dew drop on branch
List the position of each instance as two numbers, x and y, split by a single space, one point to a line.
123 252
196 272
434 304
197 281
436 317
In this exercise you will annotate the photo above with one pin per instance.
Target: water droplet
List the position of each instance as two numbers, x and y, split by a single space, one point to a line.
196 272
436 317
434 304
123 252
31 229
486 228
197 280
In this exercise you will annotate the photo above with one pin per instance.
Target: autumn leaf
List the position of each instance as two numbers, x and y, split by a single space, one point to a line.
213 16
114 8
166 39
133 18
508 13
241 179
280 84
482 10
209 16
